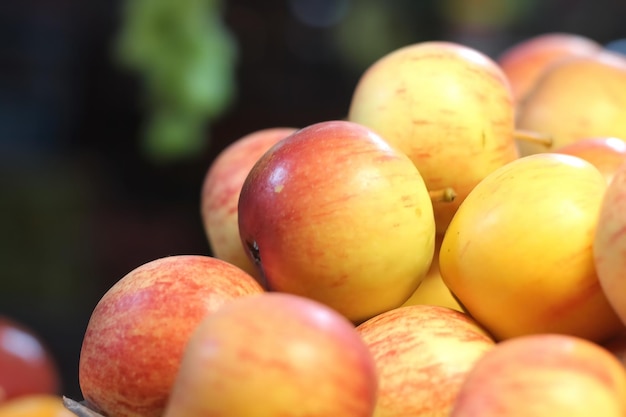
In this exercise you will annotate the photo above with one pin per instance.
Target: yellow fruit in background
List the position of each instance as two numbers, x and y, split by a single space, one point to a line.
448 107
35 405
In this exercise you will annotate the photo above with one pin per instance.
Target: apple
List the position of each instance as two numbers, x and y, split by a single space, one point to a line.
605 153
543 375
432 290
35 405
577 97
275 354
518 254
136 334
220 193
422 353
27 366
334 213
525 61
448 107
609 243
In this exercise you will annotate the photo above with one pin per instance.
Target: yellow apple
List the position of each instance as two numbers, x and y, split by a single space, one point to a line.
544 375
448 107
518 253
577 97
336 214
432 290
422 353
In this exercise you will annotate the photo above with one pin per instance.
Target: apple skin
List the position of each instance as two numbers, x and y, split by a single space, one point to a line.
609 246
35 405
220 193
544 375
136 334
518 254
334 213
27 366
432 290
577 97
275 354
525 61
605 153
448 107
422 353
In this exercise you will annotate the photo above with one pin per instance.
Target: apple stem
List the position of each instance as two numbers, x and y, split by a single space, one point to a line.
533 137
444 195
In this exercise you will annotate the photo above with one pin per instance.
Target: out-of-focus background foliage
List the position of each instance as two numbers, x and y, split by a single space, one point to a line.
102 160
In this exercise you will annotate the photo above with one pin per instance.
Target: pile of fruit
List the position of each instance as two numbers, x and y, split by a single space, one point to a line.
455 246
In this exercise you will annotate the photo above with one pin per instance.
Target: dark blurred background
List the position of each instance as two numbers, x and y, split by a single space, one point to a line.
81 204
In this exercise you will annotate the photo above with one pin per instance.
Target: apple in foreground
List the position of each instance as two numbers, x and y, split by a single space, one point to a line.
544 375
422 353
609 246
605 153
335 214
448 107
26 364
136 334
220 193
524 62
275 354
518 254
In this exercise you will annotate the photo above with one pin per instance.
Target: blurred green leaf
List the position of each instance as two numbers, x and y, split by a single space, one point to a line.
186 57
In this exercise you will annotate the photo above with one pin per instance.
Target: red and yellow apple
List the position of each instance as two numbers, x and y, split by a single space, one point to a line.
27 366
220 193
605 153
544 375
448 107
422 353
518 253
136 334
525 61
275 354
336 214
609 244
578 97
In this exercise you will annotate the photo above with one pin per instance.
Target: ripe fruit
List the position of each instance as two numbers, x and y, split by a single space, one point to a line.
336 214
432 290
448 107
220 193
26 364
35 405
605 153
275 354
544 375
136 334
524 62
422 353
609 245
518 252
576 98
